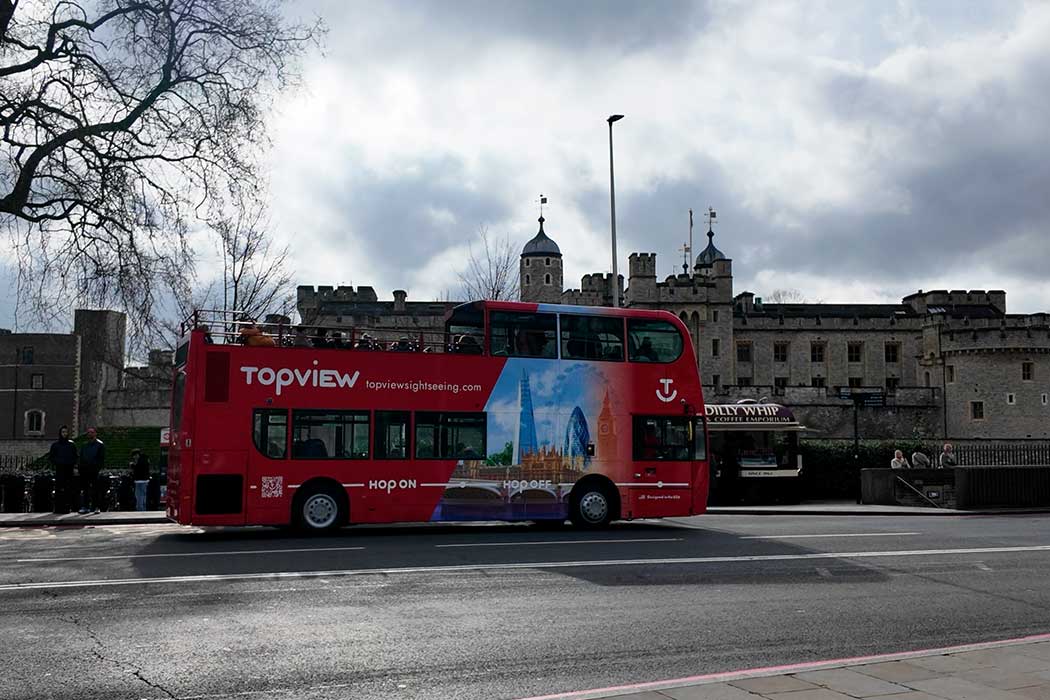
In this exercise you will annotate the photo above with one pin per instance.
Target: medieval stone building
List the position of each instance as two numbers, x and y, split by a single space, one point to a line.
950 364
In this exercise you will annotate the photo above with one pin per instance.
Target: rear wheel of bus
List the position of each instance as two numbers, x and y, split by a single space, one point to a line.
593 504
320 507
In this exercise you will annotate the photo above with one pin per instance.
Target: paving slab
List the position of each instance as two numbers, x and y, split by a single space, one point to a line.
773 684
896 671
714 691
850 682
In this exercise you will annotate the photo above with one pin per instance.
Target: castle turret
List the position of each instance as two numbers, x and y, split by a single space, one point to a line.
540 269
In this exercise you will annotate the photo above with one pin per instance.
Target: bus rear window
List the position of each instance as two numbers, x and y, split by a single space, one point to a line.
653 341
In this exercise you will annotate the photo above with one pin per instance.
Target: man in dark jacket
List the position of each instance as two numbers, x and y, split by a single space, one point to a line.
92 459
63 457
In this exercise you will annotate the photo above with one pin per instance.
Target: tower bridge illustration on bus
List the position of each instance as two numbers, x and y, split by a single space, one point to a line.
512 411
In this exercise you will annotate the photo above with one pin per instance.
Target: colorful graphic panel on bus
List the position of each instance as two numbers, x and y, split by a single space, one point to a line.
549 423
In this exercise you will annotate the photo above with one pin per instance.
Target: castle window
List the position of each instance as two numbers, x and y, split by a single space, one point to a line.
891 384
37 381
856 382
951 374
780 352
547 278
1011 399
27 356
743 381
714 315
816 352
743 352
528 262
1044 399
34 422
817 382
927 378
780 385
716 345
547 262
716 380
855 352
893 353
977 410
528 279
1027 371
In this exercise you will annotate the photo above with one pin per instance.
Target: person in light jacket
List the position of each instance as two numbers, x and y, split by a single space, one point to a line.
947 458
899 461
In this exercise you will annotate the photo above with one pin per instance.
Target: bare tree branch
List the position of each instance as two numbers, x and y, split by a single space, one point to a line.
122 123
491 272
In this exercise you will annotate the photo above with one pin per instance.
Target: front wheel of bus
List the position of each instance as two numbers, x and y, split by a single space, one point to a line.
591 508
320 510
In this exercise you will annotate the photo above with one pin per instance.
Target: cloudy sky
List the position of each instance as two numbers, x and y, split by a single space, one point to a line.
856 151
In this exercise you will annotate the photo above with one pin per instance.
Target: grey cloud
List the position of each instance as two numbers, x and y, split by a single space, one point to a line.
389 217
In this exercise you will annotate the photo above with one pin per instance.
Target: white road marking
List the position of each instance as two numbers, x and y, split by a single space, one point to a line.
542 542
982 566
823 572
193 554
842 534
516 566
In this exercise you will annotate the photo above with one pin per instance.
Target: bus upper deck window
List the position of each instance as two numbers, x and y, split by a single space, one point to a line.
523 334
653 341
591 338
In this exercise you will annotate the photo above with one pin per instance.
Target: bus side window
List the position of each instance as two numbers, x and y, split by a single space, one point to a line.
270 432
667 438
591 338
523 334
321 434
653 341
392 435
450 435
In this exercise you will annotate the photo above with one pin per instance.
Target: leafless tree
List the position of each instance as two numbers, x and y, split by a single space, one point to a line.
785 296
120 122
256 277
492 271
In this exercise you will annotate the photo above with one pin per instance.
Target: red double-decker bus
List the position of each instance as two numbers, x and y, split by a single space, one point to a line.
516 411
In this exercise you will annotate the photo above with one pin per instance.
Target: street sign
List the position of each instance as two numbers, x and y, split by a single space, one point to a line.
863 396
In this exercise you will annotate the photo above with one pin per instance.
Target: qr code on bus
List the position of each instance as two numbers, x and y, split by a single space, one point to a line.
272 486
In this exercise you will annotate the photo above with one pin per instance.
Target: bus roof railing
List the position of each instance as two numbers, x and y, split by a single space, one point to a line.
225 327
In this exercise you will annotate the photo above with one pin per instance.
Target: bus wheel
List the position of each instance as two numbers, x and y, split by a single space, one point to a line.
320 509
592 507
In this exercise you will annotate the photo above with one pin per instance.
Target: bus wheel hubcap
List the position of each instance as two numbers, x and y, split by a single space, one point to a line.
320 510
594 507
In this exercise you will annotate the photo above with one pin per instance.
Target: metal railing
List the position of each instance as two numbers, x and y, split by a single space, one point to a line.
235 328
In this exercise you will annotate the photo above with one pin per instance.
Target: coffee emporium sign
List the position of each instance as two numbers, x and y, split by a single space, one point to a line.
749 413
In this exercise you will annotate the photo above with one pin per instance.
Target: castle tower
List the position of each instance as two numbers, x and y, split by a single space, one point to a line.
540 269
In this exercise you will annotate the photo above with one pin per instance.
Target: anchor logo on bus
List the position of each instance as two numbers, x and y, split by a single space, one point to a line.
663 394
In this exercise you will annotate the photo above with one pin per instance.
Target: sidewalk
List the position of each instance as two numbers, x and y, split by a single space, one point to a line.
1017 669
812 508
120 517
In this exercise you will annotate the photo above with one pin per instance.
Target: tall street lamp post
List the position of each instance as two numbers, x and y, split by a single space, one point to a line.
612 214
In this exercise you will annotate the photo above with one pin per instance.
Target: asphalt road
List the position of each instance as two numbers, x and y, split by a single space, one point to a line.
497 611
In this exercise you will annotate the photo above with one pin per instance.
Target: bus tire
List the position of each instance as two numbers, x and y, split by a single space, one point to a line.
593 504
320 508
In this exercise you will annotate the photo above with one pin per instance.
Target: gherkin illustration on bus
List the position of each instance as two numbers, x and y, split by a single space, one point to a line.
512 411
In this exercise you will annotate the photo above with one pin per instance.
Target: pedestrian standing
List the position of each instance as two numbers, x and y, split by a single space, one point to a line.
140 473
92 459
947 458
63 457
899 461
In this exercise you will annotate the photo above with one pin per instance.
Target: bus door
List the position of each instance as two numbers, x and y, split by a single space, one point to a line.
663 469
267 493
